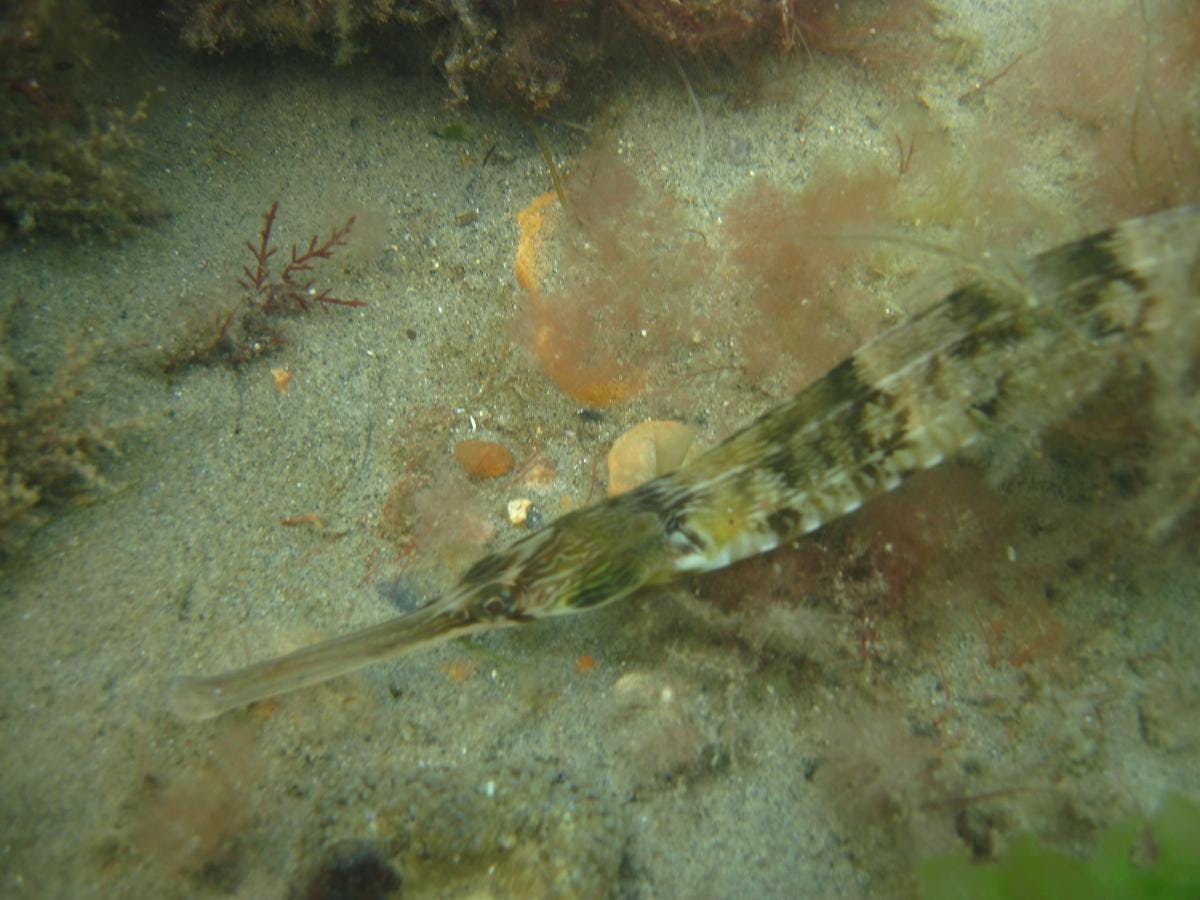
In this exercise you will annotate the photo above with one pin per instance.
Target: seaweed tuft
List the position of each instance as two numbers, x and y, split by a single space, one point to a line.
65 160
250 327
47 456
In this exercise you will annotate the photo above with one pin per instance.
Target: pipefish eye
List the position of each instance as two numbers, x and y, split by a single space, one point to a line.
501 602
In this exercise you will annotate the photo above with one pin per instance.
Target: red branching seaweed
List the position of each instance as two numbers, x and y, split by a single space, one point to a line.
288 293
248 328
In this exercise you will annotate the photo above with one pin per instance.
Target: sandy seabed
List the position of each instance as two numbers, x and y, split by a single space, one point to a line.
764 733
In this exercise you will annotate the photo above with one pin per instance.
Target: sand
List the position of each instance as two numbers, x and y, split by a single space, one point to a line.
668 746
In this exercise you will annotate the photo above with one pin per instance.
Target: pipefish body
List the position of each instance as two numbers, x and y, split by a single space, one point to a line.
1015 349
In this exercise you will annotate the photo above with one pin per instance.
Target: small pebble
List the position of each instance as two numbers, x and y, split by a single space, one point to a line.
518 511
483 459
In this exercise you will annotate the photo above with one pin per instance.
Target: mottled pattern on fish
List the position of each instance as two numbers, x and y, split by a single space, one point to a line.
1013 350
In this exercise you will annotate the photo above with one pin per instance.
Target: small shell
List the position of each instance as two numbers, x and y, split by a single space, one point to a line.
645 451
539 473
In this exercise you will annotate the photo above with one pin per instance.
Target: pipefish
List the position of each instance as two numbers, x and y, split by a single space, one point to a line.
1012 350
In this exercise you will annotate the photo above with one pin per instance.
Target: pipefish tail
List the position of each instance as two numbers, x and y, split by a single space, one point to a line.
1015 349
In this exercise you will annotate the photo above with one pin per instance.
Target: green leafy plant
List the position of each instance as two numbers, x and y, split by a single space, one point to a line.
1132 860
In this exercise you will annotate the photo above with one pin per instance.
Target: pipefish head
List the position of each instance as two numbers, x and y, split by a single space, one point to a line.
584 559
